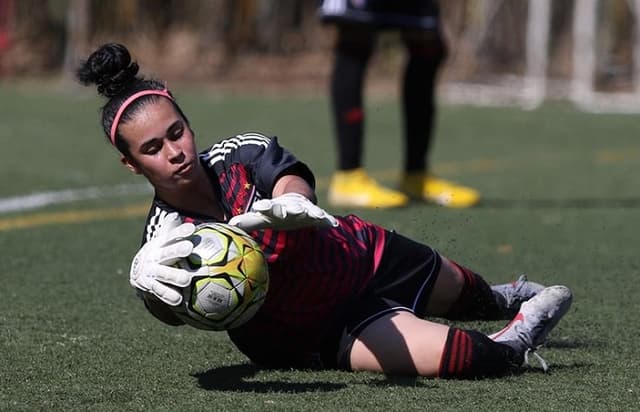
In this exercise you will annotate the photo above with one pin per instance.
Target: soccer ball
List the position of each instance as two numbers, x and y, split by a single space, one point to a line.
230 279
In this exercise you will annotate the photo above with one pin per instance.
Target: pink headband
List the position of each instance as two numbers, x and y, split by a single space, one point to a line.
123 107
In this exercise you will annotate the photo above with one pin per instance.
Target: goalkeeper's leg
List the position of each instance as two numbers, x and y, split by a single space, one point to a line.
401 343
461 294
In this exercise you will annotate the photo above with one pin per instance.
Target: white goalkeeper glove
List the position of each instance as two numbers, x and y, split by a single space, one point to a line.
151 269
286 212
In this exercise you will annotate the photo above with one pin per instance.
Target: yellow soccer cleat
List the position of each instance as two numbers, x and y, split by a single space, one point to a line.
439 191
355 188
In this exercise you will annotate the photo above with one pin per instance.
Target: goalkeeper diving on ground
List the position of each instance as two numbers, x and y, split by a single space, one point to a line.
344 293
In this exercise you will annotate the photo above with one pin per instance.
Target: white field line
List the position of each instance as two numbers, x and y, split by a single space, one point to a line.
41 199
29 202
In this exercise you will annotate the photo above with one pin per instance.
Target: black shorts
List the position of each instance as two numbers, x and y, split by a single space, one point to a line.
382 14
403 282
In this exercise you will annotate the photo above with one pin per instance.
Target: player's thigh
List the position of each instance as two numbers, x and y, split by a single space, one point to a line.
400 343
356 38
425 43
446 289
418 37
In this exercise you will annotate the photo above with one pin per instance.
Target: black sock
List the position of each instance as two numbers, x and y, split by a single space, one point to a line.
476 301
469 354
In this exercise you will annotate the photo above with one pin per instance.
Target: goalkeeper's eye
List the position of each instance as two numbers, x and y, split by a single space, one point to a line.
176 130
151 147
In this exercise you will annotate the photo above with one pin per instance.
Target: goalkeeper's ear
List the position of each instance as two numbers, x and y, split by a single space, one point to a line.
130 164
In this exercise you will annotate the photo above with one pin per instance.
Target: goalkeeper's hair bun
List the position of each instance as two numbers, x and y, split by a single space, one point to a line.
110 68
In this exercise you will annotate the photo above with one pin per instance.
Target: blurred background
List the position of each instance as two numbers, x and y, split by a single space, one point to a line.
501 52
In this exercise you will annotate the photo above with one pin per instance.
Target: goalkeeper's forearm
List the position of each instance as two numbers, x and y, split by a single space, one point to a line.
295 184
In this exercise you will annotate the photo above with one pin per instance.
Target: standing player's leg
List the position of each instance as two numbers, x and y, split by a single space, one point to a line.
351 185
353 50
426 50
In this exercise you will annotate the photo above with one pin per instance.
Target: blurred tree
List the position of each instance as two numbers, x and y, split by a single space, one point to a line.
614 49
77 26
239 28
6 18
204 37
6 33
121 18
281 25
38 39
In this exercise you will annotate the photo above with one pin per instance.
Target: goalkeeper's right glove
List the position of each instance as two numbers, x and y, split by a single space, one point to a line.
151 268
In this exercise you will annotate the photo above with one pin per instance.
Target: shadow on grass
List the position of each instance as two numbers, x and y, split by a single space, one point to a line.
576 203
558 367
571 343
386 381
235 378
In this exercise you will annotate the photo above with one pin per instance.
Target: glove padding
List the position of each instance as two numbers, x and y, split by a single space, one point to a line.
151 269
286 212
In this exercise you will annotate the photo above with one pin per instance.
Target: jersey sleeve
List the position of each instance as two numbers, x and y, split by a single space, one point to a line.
263 156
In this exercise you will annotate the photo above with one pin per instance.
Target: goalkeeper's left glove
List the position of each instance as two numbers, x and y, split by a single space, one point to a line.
151 268
286 212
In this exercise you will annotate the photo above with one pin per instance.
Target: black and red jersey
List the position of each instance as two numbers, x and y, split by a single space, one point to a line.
314 272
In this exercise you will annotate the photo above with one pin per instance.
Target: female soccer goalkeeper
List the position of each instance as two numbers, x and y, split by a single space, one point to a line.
344 293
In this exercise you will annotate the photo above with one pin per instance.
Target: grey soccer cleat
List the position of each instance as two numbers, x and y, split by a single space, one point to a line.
510 296
537 317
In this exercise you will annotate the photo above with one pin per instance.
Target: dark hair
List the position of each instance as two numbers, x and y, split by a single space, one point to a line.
110 68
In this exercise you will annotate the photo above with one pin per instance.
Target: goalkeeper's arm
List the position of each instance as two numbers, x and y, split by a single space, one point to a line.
295 184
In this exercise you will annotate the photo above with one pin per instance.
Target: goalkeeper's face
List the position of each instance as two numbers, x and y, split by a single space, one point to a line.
161 146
